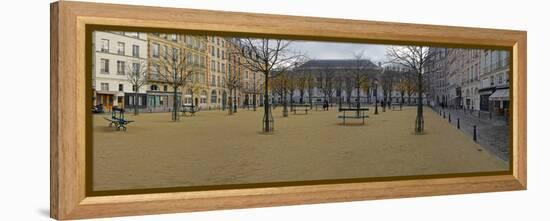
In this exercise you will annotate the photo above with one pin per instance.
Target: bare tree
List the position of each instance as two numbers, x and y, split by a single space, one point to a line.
415 58
347 84
233 82
136 77
284 86
401 87
339 88
388 80
327 83
301 81
358 74
174 69
264 55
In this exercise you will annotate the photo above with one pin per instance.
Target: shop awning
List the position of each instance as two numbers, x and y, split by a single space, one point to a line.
500 95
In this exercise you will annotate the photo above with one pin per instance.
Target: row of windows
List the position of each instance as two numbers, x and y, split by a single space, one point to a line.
105 87
121 67
121 48
192 58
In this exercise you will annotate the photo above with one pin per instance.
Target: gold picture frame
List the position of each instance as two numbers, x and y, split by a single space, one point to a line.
69 24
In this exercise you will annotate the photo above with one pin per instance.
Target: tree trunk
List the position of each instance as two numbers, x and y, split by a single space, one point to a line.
267 127
135 101
175 105
419 123
285 104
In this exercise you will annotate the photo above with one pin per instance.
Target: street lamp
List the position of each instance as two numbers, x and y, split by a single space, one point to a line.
375 96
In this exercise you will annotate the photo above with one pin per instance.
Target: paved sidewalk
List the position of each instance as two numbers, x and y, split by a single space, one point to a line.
492 134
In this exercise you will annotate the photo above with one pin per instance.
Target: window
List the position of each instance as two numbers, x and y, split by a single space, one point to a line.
175 53
492 80
174 37
223 68
202 78
135 68
135 51
104 86
223 54
120 67
120 87
500 78
120 49
203 97
156 71
104 66
165 88
104 45
156 48
213 97
213 51
218 53
154 87
213 80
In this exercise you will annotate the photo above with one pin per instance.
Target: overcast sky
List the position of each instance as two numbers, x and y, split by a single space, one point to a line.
332 50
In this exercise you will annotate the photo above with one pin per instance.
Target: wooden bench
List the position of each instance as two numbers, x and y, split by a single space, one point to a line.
189 109
359 113
301 107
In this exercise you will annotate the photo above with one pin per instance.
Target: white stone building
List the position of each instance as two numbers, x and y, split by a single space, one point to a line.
115 55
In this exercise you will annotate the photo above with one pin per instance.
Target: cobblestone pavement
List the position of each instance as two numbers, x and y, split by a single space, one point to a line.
492 134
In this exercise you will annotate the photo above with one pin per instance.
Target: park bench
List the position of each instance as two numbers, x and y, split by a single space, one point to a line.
300 107
359 113
118 121
191 109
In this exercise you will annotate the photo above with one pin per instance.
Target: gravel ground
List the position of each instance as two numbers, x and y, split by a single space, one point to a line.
213 148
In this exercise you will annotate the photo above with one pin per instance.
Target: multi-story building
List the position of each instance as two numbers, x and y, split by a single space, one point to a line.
437 78
189 49
464 71
217 69
115 55
473 79
494 81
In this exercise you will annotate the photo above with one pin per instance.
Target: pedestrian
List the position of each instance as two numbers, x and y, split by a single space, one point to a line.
325 105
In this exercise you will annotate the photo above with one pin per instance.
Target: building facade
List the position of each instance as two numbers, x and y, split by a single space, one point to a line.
210 62
115 55
471 79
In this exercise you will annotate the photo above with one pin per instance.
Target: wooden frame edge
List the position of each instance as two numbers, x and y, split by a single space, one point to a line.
68 201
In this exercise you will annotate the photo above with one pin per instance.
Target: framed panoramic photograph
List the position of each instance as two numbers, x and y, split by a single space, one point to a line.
203 110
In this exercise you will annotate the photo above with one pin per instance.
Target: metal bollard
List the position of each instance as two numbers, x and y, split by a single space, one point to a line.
449 117
475 133
458 123
444 115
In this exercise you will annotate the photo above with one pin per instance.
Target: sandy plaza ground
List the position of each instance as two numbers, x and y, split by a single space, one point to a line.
214 148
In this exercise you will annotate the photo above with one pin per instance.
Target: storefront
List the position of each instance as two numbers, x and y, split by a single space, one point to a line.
484 95
500 100
158 101
108 99
131 101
